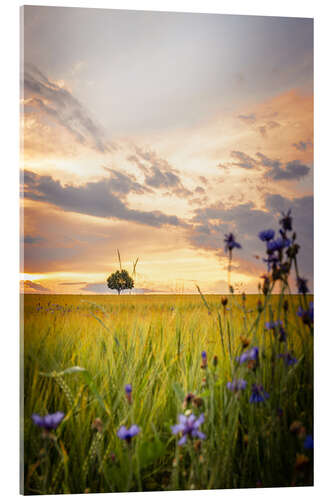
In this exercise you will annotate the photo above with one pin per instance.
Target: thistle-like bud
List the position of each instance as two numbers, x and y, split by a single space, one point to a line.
215 361
224 301
97 425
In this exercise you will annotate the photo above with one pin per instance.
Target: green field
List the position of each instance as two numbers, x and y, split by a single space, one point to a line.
155 343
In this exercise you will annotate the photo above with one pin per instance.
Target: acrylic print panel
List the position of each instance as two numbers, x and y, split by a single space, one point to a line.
167 270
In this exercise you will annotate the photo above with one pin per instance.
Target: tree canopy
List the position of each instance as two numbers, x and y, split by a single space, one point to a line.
120 280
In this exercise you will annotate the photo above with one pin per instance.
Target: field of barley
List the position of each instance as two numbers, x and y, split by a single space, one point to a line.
166 392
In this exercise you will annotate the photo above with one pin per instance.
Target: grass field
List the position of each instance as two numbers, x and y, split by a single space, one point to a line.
81 351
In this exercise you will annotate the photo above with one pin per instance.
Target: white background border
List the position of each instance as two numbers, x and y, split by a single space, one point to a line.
9 305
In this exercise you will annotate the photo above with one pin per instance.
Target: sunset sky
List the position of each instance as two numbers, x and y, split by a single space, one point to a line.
157 134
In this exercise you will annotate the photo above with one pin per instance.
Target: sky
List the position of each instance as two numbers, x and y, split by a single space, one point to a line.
157 134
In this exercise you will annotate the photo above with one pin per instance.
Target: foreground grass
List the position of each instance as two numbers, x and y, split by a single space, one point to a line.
155 344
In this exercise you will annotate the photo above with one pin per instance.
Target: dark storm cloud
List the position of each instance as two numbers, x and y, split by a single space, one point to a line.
61 106
92 198
159 174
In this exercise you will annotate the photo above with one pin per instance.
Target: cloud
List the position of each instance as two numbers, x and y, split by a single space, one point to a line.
301 145
159 174
32 239
250 118
243 160
92 198
30 287
100 288
75 283
58 103
210 224
292 170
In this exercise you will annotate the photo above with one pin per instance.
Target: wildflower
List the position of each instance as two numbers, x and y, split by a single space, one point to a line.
278 244
271 261
188 426
48 422
276 326
249 355
97 425
204 359
188 399
295 426
197 402
286 221
265 286
128 434
230 242
258 394
266 235
128 393
260 307
307 316
237 385
301 461
288 359
308 442
302 286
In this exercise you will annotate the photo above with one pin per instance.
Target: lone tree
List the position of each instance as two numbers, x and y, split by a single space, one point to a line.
120 280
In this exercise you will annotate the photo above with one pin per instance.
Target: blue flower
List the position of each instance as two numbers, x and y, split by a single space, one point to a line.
249 355
266 235
237 385
308 442
258 394
128 434
204 359
302 285
128 388
276 326
288 359
48 422
188 426
230 242
278 244
307 316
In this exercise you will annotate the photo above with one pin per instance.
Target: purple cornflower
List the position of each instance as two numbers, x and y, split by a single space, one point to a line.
266 235
230 242
249 355
188 426
302 285
128 434
237 385
308 442
258 394
288 359
276 326
128 391
307 316
278 244
286 221
48 422
204 359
